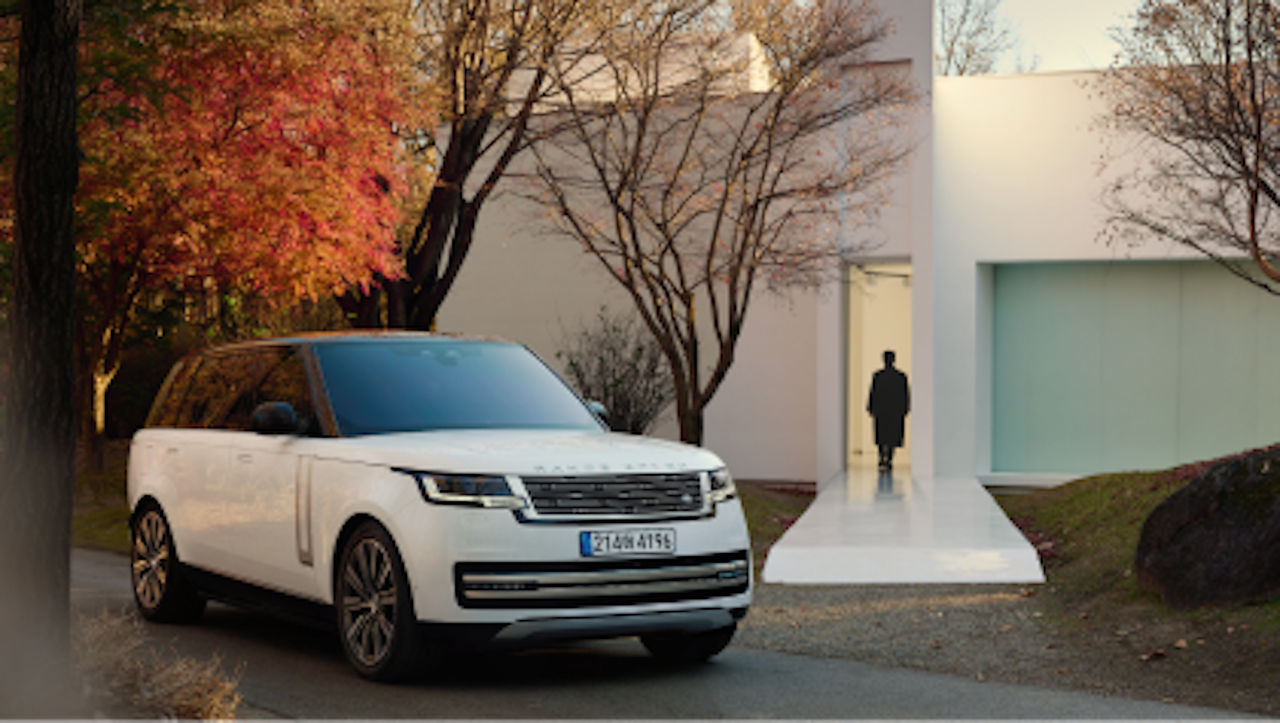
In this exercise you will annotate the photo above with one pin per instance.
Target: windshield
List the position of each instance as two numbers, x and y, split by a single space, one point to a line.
382 386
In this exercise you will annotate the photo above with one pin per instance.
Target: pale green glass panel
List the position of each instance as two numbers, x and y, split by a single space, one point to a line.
1046 378
1130 365
1219 390
1140 331
1268 392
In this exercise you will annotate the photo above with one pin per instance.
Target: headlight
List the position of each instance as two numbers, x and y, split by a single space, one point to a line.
722 487
458 489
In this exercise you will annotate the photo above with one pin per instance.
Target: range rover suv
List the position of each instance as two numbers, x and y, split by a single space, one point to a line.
426 493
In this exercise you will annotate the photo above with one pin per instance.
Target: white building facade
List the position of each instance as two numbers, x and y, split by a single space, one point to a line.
1036 352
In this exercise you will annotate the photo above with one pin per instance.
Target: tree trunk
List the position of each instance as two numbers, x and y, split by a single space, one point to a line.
361 309
96 429
39 427
691 426
98 361
440 244
691 411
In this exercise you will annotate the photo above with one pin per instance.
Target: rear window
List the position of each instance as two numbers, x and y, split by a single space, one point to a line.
164 413
387 386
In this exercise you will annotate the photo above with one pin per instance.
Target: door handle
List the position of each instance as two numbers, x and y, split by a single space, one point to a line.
244 457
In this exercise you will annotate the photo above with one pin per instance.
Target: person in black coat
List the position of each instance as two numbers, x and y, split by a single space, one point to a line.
889 403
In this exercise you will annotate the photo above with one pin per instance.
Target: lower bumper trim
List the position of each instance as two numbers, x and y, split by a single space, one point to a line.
535 631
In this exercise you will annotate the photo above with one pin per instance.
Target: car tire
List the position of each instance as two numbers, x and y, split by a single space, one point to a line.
160 590
688 647
377 627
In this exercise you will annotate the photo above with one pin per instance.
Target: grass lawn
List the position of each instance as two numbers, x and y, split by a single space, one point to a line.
100 513
1087 533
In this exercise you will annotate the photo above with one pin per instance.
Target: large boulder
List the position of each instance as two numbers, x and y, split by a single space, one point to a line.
1216 540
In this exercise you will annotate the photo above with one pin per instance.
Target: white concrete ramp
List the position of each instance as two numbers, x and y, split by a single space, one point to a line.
876 528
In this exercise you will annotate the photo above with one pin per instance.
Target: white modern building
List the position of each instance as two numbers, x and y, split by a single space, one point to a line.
1036 351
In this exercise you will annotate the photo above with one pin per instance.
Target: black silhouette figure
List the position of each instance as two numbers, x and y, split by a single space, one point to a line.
889 403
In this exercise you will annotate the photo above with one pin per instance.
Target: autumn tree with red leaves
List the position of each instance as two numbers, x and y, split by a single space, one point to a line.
256 153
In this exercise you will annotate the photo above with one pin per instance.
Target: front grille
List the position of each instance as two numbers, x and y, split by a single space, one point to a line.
605 582
609 495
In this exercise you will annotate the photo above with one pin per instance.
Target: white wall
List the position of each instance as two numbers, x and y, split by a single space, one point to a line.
1016 178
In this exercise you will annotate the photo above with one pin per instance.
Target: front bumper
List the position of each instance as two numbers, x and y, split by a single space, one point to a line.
482 566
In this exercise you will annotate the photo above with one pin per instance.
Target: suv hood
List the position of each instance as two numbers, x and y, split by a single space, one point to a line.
523 452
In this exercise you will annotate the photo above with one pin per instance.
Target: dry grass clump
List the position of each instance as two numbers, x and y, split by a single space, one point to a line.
118 671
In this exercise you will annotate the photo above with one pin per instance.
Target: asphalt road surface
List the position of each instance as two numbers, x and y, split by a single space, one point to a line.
295 672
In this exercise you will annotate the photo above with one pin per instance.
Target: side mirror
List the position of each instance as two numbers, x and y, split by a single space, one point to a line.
601 413
274 418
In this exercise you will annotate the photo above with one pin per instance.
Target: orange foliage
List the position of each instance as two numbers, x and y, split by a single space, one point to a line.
270 167
243 146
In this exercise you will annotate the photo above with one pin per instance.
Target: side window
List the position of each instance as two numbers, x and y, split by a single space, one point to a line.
242 372
217 385
278 375
287 382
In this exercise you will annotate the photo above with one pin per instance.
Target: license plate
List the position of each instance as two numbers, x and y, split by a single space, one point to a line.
618 543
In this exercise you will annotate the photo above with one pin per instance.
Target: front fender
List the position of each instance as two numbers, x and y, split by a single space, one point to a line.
342 492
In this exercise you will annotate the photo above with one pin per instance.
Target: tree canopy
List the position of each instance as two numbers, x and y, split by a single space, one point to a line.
234 147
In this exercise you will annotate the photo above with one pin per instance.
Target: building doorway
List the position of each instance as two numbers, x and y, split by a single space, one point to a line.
878 315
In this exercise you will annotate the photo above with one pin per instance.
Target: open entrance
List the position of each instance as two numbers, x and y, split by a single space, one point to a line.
879 318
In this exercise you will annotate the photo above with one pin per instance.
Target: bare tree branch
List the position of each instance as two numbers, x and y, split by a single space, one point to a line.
971 37
1197 84
724 143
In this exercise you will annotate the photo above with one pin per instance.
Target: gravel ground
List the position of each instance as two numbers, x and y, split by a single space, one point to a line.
981 631
1005 633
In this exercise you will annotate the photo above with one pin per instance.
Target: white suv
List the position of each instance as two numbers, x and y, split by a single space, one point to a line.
424 493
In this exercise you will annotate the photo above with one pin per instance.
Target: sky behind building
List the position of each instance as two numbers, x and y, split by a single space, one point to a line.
1072 35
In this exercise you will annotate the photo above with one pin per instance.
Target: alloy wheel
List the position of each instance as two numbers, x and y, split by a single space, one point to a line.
368 602
151 556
